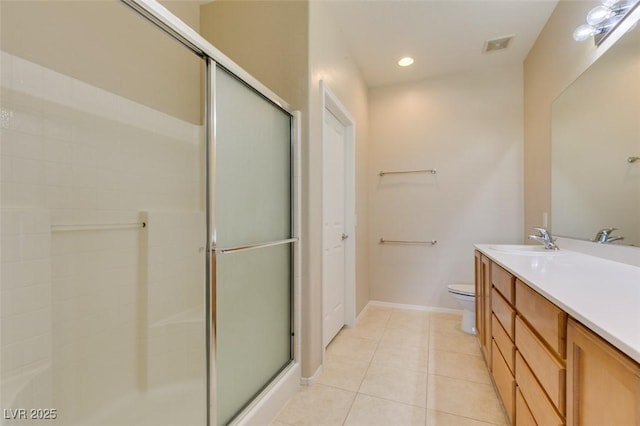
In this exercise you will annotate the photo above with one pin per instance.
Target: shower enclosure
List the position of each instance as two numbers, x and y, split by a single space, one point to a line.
147 221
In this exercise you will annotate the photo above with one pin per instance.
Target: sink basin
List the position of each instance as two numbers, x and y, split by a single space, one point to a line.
528 250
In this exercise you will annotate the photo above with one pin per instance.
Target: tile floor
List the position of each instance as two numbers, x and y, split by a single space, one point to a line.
399 367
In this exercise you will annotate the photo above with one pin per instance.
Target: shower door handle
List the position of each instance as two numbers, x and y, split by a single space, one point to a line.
254 246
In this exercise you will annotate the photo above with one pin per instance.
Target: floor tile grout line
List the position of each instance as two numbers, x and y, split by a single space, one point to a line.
386 326
478 355
385 329
426 392
462 380
392 400
365 372
469 418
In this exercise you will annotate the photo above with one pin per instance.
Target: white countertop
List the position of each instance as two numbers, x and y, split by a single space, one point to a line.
601 294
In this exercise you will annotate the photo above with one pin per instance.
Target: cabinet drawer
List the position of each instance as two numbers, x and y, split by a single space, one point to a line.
504 381
503 281
541 408
504 343
504 312
550 372
523 414
549 321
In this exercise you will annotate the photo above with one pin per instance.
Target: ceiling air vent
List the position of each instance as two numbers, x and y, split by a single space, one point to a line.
497 44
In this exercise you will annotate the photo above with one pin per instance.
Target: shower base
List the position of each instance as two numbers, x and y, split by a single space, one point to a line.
182 404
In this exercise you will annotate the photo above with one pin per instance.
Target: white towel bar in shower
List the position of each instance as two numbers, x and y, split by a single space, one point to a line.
432 242
97 226
431 171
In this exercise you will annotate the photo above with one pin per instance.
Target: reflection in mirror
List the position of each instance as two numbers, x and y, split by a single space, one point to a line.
595 133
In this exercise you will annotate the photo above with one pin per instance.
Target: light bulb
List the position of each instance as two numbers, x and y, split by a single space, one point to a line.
610 3
599 14
405 62
583 32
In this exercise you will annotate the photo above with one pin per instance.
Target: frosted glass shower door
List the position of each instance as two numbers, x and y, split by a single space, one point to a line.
253 228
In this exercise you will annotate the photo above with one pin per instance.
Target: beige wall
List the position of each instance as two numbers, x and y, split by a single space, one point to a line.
108 46
554 61
468 126
187 10
266 38
330 61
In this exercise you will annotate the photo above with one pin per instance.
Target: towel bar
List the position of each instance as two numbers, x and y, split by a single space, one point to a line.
432 171
432 242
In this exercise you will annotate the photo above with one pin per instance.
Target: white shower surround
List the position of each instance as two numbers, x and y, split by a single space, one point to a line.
75 154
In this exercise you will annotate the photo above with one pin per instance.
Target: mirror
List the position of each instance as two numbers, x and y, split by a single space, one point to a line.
595 180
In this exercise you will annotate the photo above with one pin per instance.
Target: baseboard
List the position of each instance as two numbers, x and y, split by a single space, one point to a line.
310 381
412 307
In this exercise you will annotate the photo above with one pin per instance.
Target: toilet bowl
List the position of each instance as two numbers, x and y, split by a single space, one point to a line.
465 294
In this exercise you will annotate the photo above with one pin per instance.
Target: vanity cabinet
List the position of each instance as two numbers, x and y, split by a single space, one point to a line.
527 346
603 384
548 368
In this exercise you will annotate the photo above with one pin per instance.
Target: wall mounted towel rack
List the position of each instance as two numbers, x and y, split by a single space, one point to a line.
97 226
431 243
431 171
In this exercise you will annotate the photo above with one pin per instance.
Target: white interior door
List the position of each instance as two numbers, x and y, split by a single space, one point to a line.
334 227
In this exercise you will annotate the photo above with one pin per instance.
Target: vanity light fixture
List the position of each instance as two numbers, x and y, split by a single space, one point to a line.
602 19
599 14
406 61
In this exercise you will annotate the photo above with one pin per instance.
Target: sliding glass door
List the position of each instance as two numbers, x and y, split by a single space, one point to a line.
115 181
252 228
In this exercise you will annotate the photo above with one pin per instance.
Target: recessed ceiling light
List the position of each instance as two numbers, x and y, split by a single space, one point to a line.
406 61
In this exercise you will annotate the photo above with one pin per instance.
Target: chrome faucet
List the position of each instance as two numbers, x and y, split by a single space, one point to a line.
604 236
545 238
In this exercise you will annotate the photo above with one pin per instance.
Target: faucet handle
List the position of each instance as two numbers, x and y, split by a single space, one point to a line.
604 236
542 232
545 238
606 231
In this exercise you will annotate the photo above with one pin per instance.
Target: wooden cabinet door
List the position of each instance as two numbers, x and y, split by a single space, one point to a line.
479 295
483 304
603 385
486 309
486 282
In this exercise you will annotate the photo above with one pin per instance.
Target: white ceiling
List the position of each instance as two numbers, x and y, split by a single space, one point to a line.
442 36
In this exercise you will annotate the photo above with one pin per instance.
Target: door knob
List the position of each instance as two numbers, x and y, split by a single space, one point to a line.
344 236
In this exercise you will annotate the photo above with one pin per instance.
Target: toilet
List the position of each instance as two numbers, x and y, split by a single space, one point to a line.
465 294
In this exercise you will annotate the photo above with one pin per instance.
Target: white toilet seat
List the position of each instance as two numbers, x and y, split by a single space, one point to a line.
462 289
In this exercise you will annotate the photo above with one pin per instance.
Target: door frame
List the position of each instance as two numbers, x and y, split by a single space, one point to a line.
331 103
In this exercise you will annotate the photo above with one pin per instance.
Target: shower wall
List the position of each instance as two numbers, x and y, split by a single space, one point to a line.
103 42
91 318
